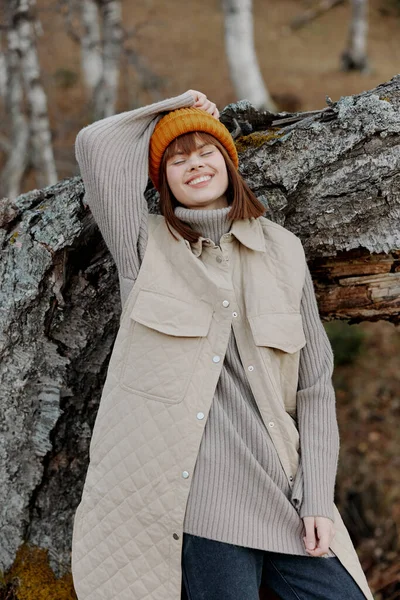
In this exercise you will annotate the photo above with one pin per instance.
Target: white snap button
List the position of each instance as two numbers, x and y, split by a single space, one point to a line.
234 314
225 303
185 474
271 424
200 415
216 359
251 368
291 478
219 259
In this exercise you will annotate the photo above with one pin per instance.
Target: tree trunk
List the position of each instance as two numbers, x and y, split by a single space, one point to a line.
241 54
331 176
92 62
3 70
17 160
22 20
355 55
105 95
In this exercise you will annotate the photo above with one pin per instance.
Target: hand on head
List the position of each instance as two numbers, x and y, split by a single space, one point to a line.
202 102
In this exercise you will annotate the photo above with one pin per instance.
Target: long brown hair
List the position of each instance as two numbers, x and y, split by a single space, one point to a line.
244 203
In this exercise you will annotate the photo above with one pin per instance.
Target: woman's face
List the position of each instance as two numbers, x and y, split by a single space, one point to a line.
198 179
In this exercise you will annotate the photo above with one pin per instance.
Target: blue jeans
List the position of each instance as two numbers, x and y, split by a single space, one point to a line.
217 571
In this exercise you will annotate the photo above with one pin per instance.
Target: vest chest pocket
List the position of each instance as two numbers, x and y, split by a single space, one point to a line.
165 338
283 331
280 337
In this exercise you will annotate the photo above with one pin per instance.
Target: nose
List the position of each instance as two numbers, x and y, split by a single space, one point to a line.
195 162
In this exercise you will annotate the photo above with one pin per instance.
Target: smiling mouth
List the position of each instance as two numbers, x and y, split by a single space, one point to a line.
201 179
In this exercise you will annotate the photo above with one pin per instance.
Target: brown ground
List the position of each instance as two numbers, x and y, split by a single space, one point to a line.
368 491
182 44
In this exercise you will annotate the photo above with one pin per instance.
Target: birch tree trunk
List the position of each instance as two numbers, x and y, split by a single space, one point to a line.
17 160
331 176
103 55
3 70
241 54
355 55
105 95
92 62
22 21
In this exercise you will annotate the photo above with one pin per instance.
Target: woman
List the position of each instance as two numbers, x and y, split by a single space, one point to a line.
214 452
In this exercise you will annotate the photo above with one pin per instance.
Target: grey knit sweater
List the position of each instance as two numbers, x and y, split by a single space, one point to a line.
239 493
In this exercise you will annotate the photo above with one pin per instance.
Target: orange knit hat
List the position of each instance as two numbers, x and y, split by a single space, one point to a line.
182 121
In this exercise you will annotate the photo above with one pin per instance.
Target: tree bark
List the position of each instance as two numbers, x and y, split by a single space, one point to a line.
355 55
241 54
332 177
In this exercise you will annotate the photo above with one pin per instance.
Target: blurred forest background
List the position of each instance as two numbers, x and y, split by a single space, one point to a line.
169 47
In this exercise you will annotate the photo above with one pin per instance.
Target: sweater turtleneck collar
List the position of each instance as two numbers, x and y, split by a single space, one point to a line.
211 223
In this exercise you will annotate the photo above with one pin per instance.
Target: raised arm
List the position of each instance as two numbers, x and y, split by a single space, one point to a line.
113 159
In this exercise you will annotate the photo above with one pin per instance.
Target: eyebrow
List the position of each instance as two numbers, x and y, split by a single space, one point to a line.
180 152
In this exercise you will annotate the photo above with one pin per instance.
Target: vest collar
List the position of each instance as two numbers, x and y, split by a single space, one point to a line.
248 231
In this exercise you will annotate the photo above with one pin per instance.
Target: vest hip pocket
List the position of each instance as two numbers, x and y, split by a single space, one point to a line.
165 339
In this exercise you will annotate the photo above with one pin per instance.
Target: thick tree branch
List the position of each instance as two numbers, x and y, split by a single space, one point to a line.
332 177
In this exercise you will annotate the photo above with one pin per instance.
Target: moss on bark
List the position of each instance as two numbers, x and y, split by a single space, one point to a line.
31 578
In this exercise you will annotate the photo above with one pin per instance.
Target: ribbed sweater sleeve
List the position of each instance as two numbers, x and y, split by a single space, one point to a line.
113 159
316 412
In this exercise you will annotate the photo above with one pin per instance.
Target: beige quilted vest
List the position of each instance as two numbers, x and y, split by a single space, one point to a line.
164 369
